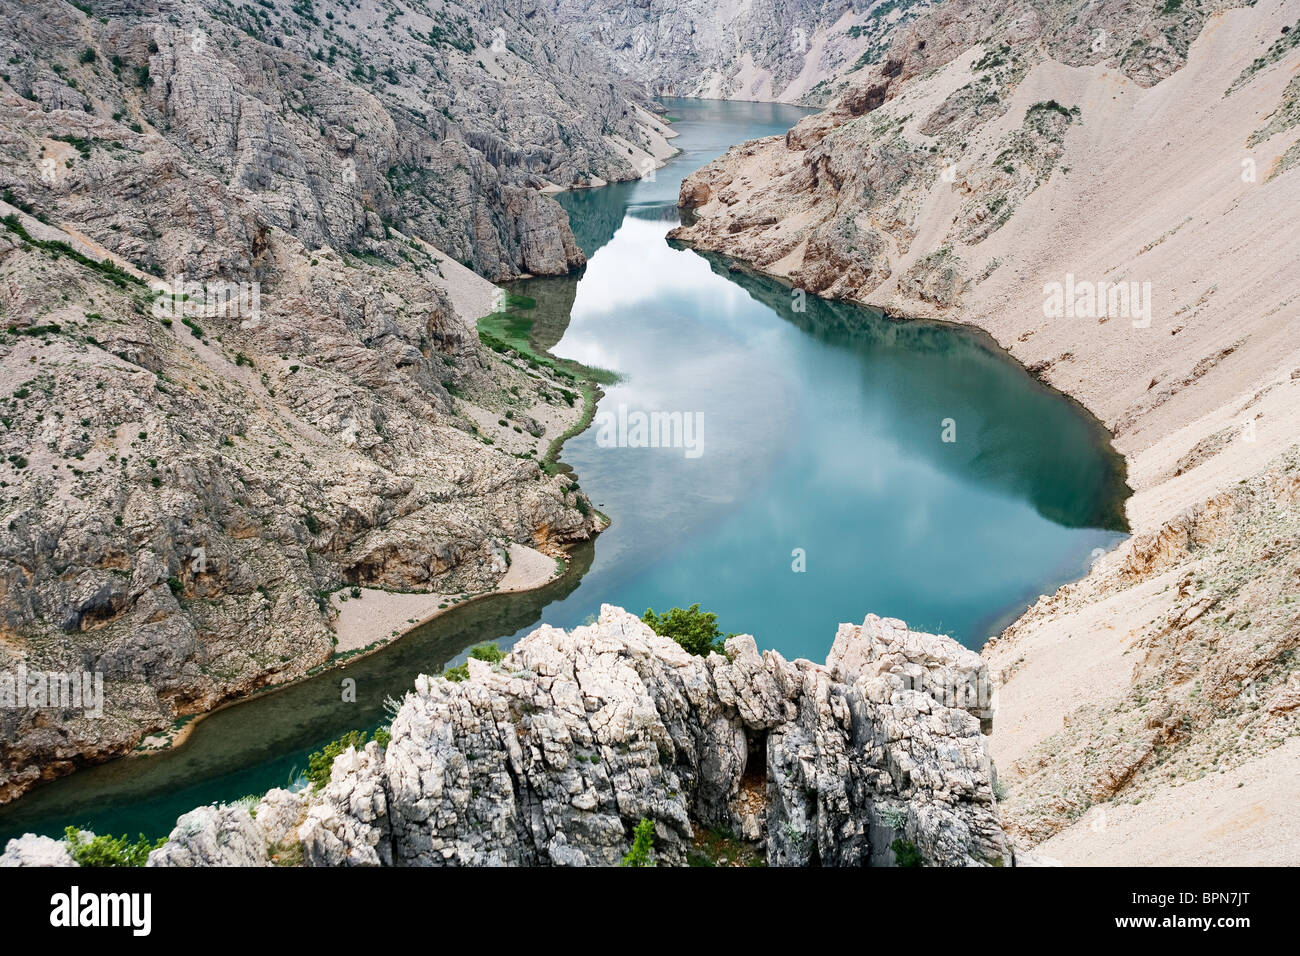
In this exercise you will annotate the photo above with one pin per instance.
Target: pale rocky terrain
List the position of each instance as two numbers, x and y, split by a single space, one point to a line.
367 616
552 756
337 122
351 437
764 50
176 478
999 149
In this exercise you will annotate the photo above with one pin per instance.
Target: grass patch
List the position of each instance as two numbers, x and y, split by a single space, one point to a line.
510 332
109 270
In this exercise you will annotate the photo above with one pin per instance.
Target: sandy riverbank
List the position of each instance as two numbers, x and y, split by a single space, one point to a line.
379 617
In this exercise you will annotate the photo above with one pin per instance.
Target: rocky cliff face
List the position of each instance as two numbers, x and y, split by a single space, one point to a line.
304 409
172 488
764 50
847 191
554 755
1004 150
334 122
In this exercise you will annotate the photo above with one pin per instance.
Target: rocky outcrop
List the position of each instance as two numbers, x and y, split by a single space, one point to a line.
33 850
560 750
552 756
214 836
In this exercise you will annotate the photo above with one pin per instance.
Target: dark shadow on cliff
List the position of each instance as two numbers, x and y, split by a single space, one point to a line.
596 214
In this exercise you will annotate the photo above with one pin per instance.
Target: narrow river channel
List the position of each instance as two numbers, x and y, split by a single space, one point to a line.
840 463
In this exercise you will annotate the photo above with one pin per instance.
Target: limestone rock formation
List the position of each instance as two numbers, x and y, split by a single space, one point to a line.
213 836
552 756
335 123
33 850
836 204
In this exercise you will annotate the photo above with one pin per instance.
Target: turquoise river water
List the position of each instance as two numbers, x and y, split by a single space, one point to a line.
817 486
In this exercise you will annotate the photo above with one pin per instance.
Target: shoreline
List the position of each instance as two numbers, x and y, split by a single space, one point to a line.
335 661
1121 690
524 572
988 338
471 295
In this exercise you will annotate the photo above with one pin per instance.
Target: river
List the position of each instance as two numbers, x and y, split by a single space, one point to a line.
844 463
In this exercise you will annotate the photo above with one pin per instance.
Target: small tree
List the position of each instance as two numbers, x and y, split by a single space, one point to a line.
695 630
643 843
482 652
320 763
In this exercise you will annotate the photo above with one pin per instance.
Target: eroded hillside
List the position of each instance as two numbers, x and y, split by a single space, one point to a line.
188 474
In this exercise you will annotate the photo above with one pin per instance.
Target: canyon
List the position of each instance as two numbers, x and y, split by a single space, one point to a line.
371 166
344 436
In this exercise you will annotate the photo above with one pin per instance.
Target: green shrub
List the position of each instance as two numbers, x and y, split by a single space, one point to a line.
643 844
109 851
695 630
483 652
906 853
320 763
895 818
